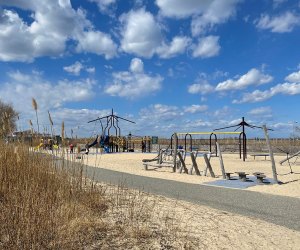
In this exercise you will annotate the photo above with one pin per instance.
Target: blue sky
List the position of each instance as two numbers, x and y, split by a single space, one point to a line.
169 65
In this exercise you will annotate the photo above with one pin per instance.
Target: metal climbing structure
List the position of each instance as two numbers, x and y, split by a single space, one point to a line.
242 135
115 140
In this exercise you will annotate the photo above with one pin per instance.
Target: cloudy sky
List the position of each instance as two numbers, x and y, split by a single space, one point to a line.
169 65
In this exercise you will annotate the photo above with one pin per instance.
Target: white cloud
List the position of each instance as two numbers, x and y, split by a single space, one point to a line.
54 23
96 42
75 118
205 14
201 87
22 87
141 35
134 83
207 47
252 77
283 23
259 96
195 108
160 112
261 111
182 9
90 69
161 118
136 65
77 67
225 111
74 68
177 46
293 77
218 12
103 5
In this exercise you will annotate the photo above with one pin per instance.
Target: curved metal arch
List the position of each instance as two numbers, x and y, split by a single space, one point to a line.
191 141
210 140
243 141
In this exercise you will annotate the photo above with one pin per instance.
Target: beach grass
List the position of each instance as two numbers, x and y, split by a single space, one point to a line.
47 205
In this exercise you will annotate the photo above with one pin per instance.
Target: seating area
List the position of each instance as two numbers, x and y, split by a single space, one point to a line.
259 155
242 176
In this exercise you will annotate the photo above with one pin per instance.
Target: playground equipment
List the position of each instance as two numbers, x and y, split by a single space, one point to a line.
288 158
113 141
242 135
188 140
133 141
176 158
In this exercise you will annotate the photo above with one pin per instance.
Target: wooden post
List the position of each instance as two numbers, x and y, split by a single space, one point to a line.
209 166
182 163
159 159
195 165
221 160
175 152
271 154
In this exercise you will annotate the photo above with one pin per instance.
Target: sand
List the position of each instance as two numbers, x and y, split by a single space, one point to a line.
205 227
132 163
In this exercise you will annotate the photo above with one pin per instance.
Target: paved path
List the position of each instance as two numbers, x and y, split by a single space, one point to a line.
280 210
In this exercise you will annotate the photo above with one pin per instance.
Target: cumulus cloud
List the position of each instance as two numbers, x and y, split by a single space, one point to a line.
206 14
73 119
195 108
141 35
218 12
259 96
77 67
293 77
285 22
160 112
261 111
133 83
91 69
22 87
103 5
96 42
166 119
74 68
53 24
136 65
177 46
182 9
201 87
252 77
207 47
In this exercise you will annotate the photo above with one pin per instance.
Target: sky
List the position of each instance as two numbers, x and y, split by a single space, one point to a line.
169 65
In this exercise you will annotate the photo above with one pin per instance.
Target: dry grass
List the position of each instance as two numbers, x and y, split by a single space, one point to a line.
46 205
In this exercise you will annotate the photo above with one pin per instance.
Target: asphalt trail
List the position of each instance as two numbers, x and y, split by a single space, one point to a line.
280 210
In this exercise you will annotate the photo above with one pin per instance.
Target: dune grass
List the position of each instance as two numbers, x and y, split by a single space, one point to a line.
46 206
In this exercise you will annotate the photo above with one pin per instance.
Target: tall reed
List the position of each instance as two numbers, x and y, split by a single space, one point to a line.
35 107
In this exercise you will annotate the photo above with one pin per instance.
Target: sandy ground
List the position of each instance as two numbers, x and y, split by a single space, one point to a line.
204 227
214 229
132 163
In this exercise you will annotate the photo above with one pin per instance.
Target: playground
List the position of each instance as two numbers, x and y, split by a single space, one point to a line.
219 158
131 163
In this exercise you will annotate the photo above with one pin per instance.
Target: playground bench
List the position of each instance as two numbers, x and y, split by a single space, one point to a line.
242 176
265 155
228 176
260 177
146 165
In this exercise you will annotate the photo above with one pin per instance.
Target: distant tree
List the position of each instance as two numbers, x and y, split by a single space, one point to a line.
8 118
